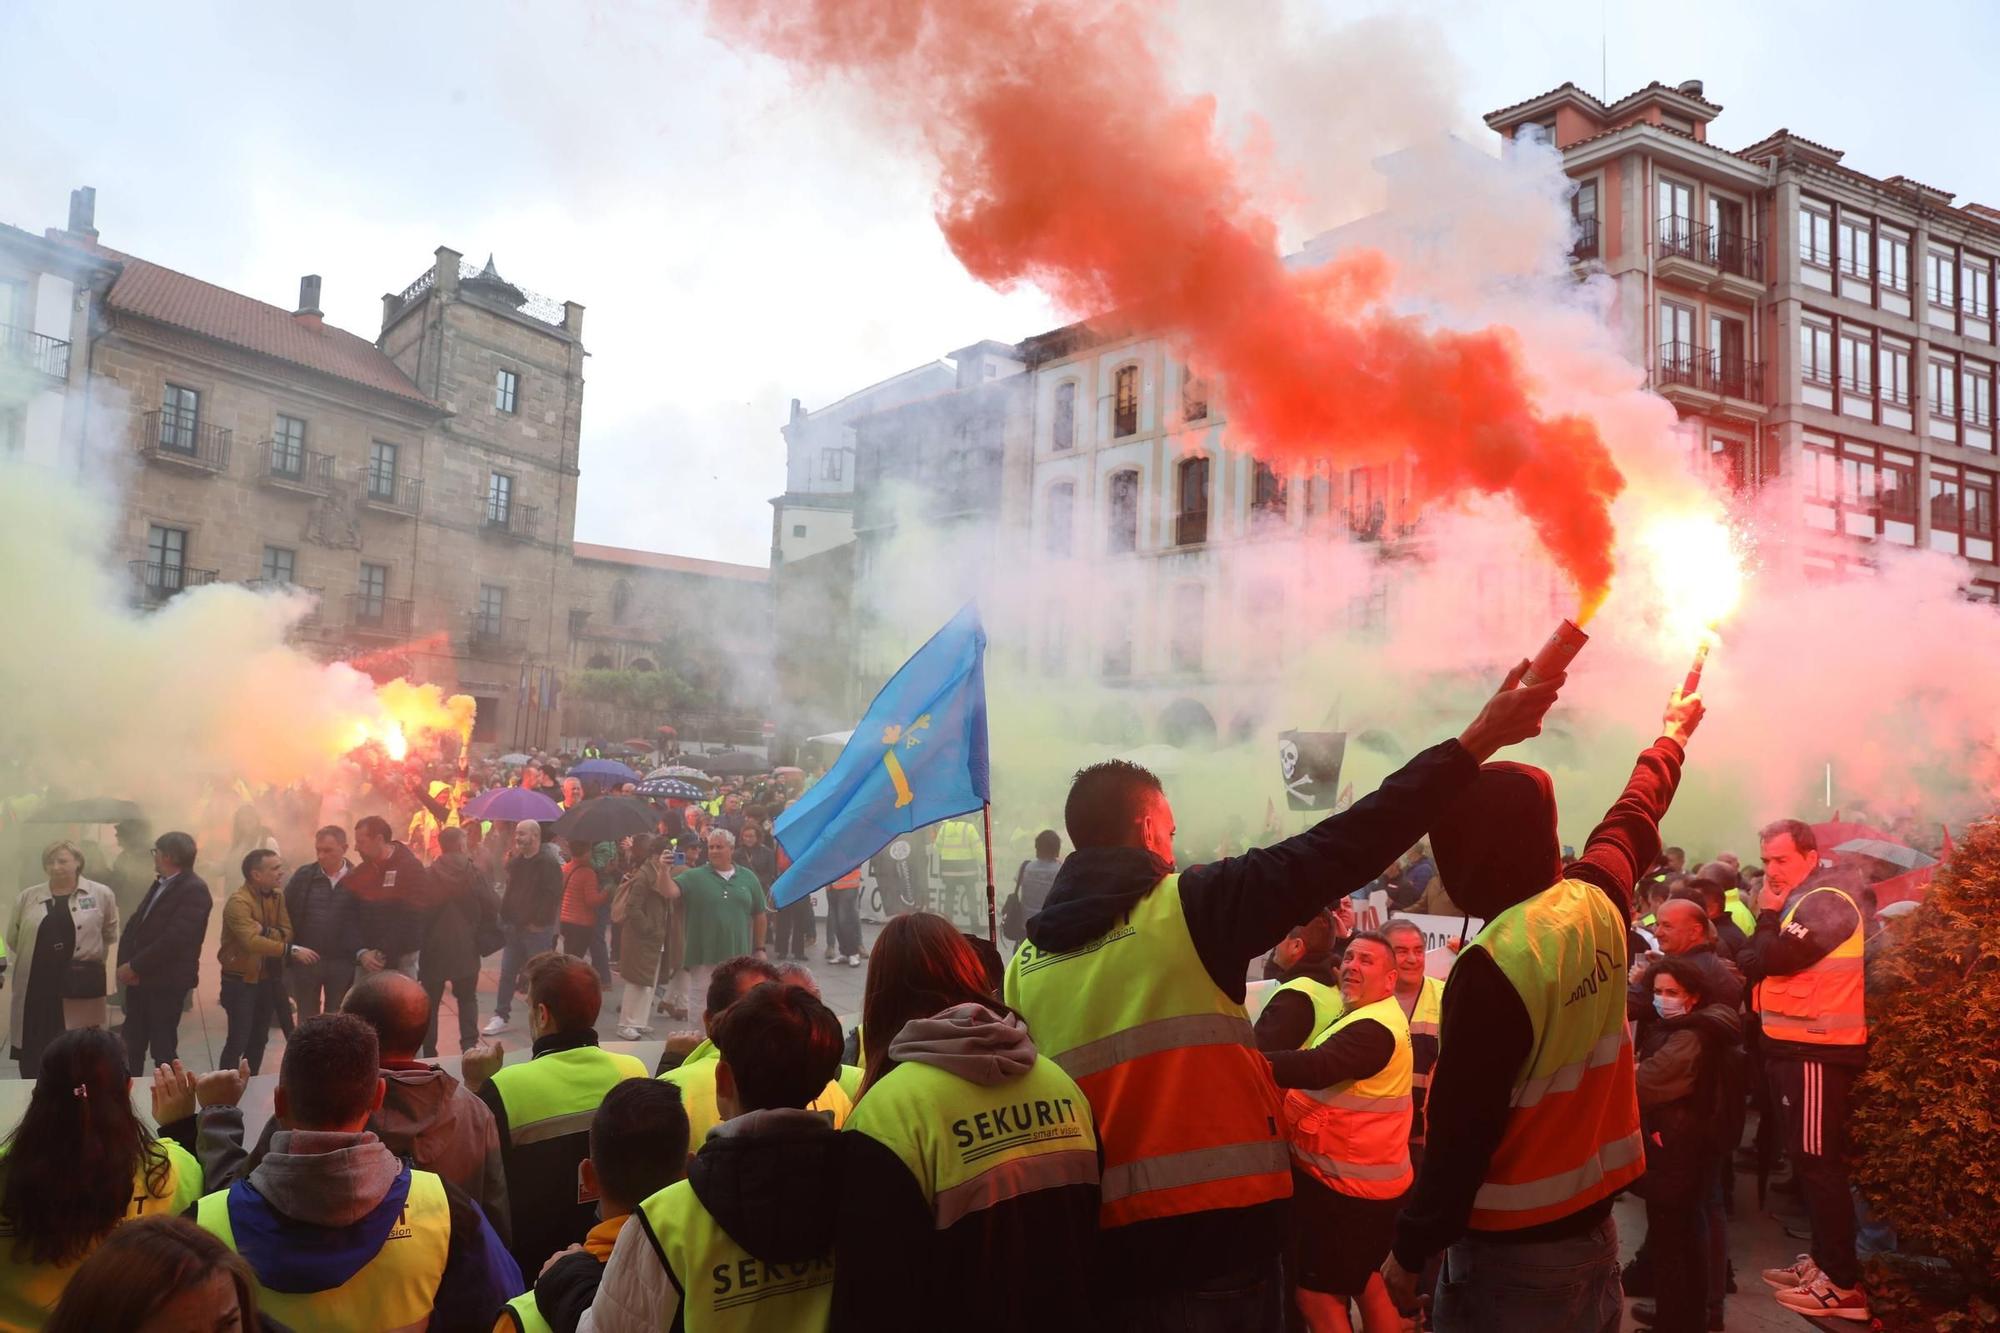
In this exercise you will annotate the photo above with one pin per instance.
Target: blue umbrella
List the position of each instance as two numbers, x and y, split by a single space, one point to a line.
677 789
511 804
604 768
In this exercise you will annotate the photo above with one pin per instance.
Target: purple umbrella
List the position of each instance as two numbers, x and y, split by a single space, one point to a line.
603 768
511 805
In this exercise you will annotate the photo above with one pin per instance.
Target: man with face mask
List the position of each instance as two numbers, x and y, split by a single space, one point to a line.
1347 1115
1533 1116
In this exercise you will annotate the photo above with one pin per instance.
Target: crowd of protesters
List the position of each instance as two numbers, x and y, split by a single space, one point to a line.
1350 1140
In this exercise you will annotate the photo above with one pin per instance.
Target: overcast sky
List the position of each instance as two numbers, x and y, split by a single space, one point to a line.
738 243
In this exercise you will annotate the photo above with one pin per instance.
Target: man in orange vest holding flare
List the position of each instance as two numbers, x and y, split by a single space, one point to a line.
1533 1114
1132 979
1805 957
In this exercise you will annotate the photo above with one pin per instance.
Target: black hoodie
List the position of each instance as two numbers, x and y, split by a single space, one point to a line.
1497 846
1237 909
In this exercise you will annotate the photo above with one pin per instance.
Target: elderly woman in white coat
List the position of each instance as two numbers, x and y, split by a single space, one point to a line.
59 935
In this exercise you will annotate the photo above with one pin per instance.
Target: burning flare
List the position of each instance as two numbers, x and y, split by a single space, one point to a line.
406 710
1696 565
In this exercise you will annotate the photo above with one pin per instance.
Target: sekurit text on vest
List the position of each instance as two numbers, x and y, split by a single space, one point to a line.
995 1131
747 1281
1033 959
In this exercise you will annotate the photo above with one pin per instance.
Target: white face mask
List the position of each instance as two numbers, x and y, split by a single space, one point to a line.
1669 1006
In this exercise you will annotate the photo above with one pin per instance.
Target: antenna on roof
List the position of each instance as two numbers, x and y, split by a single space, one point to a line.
1603 55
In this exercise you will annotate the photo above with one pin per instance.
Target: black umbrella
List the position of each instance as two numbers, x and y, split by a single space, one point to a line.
607 819
91 810
730 764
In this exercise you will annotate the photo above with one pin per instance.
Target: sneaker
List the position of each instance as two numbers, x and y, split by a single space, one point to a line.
854 960
1802 1271
1822 1298
630 1034
829 955
496 1025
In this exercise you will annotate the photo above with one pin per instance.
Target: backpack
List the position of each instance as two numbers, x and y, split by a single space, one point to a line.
1013 915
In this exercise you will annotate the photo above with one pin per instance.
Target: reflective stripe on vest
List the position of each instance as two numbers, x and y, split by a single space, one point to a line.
28 1290
1354 1136
558 1093
522 1315
1326 1005
1572 1132
1825 1005
1425 1020
971 1146
1183 1102
722 1288
392 1292
957 840
696 1080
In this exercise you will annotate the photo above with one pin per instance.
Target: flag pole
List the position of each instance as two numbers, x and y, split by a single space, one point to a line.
992 916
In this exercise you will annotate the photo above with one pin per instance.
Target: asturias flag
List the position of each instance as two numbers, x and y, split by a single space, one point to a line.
917 756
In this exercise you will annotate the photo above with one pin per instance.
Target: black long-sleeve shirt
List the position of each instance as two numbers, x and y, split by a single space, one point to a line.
1485 1036
1361 1048
1818 926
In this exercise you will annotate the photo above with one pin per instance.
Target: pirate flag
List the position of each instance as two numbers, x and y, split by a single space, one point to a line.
1309 764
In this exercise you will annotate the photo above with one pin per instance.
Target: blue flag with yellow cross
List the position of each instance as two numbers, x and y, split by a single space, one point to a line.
917 756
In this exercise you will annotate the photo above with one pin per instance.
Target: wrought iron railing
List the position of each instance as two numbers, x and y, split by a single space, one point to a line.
392 491
519 521
493 633
289 465
1586 244
1191 527
37 351
155 582
183 437
368 614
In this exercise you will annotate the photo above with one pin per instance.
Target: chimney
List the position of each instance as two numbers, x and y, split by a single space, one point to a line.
83 212
1690 88
308 312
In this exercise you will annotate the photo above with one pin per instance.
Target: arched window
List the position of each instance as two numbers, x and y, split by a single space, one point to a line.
598 662
1125 401
1191 512
621 601
1124 531
1267 492
1065 415
1062 517
1190 626
642 664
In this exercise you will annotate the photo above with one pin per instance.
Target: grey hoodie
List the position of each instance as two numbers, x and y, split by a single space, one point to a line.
327 1179
969 1040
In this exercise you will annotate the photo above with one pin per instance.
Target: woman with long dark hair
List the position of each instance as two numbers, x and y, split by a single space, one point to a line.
159 1275
79 1163
973 1166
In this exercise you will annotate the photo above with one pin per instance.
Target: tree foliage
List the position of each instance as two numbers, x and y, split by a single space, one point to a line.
1928 1159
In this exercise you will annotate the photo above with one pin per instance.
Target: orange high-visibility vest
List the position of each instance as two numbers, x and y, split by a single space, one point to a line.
1354 1136
1187 1115
1826 1004
1572 1135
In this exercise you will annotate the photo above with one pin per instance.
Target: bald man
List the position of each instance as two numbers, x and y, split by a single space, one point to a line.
1685 931
426 1115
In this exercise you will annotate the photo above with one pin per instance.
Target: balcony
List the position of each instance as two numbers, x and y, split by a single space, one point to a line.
181 439
390 492
297 470
317 596
387 617
1698 255
1707 381
1191 527
1586 246
515 522
1739 262
155 584
36 351
495 634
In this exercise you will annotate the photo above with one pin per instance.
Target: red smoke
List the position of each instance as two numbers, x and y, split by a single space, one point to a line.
1068 161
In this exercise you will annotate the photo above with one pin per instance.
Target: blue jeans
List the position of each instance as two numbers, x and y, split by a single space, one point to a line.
1551 1286
1248 1301
523 943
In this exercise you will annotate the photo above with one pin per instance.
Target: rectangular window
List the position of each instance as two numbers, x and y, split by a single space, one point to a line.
1191 522
1125 404
1194 396
1729 346
492 609
1267 491
1583 204
1940 278
1583 213
1857 247
1961 509
1124 530
1368 502
1943 388
1190 628
279 564
1815 353
1815 235
1857 363
1065 415
372 593
499 499
1893 260
798 529
166 558
1895 373
485 719
506 390
180 418
1975 288
382 470
1677 349
832 464
1062 518
1977 398
1676 204
288 446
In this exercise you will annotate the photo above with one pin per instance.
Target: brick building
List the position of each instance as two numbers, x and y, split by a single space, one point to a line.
1808 320
418 492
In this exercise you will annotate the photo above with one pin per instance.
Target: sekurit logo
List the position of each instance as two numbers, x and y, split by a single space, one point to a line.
747 1281
1599 973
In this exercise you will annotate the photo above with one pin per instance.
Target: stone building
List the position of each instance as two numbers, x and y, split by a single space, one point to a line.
49 293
